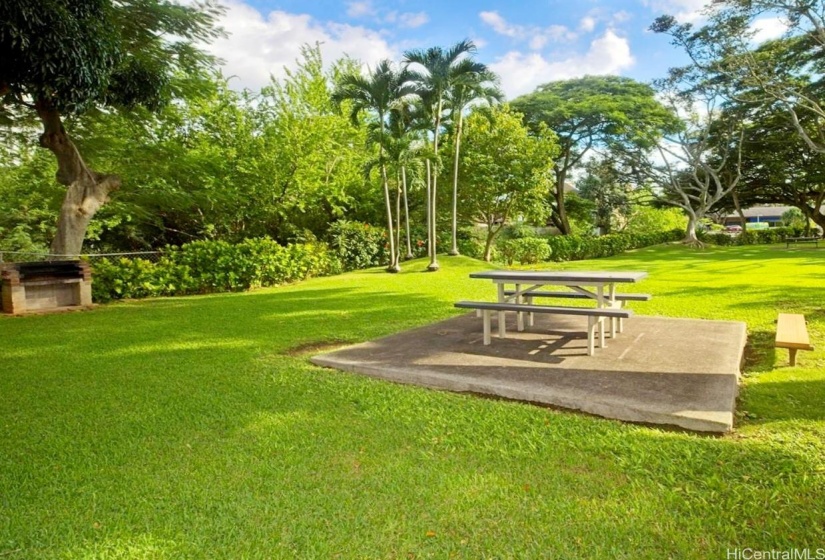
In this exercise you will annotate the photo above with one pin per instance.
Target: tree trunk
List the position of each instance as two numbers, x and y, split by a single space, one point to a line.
87 190
398 221
819 219
406 210
433 266
739 210
454 248
393 266
429 214
488 244
690 234
560 215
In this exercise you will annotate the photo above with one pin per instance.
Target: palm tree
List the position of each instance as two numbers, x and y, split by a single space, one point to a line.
377 93
475 87
435 71
402 153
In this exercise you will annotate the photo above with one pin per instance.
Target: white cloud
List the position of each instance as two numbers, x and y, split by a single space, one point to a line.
360 9
537 37
587 24
685 11
621 17
522 72
413 19
259 46
768 28
499 24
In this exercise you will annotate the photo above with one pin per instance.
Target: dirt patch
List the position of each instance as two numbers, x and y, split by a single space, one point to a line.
315 347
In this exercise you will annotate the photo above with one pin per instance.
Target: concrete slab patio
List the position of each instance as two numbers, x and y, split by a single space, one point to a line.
679 372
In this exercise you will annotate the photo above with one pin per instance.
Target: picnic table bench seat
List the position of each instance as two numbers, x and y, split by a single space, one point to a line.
792 333
594 317
576 295
789 240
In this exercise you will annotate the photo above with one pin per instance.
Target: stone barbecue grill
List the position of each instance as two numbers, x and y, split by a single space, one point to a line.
38 287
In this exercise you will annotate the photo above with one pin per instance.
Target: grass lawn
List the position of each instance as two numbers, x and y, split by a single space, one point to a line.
196 428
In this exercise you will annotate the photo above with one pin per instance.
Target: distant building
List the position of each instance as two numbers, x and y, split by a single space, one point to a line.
772 215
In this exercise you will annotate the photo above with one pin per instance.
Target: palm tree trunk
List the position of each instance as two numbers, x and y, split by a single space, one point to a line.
454 248
397 220
433 266
406 210
429 214
393 267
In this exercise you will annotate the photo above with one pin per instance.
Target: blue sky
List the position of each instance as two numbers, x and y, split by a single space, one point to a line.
528 42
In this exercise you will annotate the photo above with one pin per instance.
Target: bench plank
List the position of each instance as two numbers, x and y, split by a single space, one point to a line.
792 333
559 310
575 295
595 317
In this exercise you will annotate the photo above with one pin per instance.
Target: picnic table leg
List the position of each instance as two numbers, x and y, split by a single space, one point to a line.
613 320
486 314
591 335
600 303
792 356
621 321
531 317
501 298
519 314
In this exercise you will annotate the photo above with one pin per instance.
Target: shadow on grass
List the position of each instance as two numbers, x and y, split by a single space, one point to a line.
785 400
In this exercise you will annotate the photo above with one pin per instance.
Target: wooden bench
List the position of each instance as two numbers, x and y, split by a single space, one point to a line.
789 240
791 333
594 316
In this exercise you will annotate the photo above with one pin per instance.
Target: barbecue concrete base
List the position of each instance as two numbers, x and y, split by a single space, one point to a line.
678 372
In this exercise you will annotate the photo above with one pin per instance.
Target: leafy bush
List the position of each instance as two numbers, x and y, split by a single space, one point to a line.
646 219
579 247
358 245
525 250
752 237
518 230
212 266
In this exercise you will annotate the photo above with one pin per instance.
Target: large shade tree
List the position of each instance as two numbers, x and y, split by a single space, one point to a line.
592 112
505 172
66 57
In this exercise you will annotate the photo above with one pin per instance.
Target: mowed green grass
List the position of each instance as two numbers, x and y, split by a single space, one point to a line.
197 428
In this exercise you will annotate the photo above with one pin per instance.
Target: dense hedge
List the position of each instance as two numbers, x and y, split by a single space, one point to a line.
525 250
216 266
580 247
211 266
751 237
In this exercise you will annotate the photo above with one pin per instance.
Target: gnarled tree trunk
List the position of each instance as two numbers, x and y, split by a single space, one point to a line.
87 190
691 239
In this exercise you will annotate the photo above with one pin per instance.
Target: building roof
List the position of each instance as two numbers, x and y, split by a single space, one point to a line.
762 212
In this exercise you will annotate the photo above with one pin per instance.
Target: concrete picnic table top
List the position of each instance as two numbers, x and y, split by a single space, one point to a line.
560 276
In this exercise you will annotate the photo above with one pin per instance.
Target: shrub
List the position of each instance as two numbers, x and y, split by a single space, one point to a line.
358 245
212 266
579 247
526 250
752 237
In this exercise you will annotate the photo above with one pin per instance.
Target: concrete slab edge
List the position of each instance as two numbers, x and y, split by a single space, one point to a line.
720 423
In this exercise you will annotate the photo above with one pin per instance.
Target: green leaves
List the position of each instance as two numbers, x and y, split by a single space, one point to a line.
77 54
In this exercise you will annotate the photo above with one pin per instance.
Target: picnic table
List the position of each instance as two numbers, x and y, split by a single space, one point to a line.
517 291
789 240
